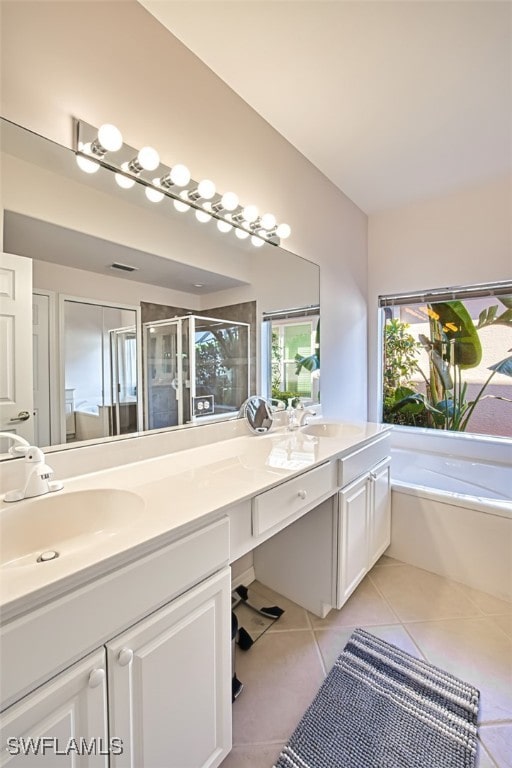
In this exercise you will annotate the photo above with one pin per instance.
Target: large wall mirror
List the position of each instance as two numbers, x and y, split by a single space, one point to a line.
137 317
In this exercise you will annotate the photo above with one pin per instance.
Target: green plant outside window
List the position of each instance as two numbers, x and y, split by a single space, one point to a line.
447 365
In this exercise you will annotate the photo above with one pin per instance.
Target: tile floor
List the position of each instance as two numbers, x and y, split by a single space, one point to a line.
462 630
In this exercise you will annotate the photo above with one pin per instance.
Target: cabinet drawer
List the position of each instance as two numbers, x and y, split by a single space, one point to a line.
357 463
290 498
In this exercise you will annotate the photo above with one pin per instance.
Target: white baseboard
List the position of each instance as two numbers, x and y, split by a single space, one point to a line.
244 579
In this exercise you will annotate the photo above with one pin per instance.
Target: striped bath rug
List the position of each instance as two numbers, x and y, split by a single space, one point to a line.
379 707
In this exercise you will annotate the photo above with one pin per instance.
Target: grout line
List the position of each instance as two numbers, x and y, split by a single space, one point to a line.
319 653
382 596
485 751
485 723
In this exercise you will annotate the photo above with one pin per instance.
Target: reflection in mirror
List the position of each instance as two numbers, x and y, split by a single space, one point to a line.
101 371
82 240
257 413
194 367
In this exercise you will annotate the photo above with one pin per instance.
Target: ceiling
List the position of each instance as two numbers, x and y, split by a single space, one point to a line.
393 101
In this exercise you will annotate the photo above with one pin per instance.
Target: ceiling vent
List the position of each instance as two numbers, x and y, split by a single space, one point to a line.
123 267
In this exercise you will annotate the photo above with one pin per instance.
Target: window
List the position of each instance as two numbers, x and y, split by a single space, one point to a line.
295 354
447 360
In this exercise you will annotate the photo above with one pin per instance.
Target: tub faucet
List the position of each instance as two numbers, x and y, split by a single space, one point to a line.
37 472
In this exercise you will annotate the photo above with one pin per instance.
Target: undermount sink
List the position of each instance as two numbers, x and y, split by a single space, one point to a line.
64 523
332 429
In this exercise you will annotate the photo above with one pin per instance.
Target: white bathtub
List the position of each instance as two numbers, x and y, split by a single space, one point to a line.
452 507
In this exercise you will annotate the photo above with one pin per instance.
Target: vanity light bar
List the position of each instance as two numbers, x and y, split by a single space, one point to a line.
104 148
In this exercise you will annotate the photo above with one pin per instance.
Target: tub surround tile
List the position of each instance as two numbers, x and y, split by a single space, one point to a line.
365 607
418 595
497 739
475 650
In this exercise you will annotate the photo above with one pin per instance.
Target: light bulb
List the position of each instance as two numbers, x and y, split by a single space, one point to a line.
203 216
86 165
180 175
110 137
256 241
148 158
181 207
224 226
250 213
241 234
283 231
153 194
123 181
206 189
268 221
229 201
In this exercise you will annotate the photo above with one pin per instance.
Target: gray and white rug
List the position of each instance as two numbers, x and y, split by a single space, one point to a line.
379 707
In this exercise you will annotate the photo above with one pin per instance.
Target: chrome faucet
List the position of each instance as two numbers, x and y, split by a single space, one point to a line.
302 418
37 472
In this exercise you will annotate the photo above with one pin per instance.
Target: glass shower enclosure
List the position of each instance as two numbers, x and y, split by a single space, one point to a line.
195 368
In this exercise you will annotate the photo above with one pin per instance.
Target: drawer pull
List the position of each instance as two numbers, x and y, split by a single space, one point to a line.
125 656
96 678
302 494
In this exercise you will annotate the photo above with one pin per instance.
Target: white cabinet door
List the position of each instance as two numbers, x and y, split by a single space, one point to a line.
170 682
62 723
380 510
353 536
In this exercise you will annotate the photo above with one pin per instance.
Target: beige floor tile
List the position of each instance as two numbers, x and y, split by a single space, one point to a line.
364 608
281 674
294 617
418 595
504 622
488 604
483 759
332 641
478 652
385 560
253 756
497 739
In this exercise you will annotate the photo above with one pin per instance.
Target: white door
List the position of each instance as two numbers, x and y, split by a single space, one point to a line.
170 682
61 722
353 537
16 395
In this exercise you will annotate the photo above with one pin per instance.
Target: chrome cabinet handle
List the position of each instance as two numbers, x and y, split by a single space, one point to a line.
22 416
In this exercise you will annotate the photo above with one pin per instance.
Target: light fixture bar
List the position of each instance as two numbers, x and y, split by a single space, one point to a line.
143 167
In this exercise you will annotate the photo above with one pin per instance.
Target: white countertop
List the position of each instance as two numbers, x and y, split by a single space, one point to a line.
180 491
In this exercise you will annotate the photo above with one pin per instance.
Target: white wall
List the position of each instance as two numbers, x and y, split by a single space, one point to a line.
458 239
113 62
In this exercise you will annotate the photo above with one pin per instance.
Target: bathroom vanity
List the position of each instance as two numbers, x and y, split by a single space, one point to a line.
123 640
